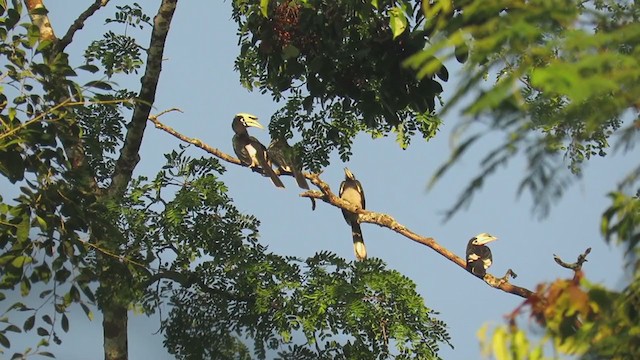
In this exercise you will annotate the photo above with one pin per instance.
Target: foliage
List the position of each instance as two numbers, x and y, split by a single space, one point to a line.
41 231
338 310
45 119
66 239
578 318
566 78
332 61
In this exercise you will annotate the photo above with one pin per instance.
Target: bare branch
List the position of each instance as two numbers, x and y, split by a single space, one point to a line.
79 24
366 216
197 142
389 222
129 154
576 266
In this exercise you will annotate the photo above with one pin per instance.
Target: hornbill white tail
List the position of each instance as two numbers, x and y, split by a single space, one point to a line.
351 191
248 149
479 255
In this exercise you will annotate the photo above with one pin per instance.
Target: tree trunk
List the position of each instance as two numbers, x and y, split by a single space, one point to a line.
114 324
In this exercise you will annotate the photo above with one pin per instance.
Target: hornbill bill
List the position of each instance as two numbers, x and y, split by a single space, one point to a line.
286 158
248 149
479 255
351 191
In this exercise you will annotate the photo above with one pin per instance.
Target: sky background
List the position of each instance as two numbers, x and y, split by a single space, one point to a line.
198 77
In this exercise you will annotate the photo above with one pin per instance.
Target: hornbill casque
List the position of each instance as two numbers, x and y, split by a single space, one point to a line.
479 255
351 191
286 158
248 149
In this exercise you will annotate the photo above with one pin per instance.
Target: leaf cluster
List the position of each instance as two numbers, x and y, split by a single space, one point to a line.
130 15
565 81
578 318
322 308
337 56
116 53
44 229
178 236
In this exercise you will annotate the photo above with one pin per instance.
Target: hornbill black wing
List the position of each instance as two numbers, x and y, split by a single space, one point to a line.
239 147
479 259
262 160
284 157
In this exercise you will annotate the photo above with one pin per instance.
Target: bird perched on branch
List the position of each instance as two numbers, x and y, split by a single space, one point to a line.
285 157
248 149
351 191
479 255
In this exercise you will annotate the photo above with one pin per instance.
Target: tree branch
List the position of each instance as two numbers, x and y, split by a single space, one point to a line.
576 266
197 142
40 19
189 279
325 194
79 24
129 154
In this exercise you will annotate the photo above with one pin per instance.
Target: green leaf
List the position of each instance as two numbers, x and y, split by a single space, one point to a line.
264 7
25 286
13 328
44 44
397 21
4 341
90 68
87 311
99 84
22 232
46 353
33 35
42 223
290 52
65 323
28 324
499 342
20 261
443 73
6 258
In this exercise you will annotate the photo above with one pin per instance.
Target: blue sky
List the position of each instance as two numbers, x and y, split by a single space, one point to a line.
198 78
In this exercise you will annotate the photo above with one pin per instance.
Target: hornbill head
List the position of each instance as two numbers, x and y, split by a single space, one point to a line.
353 186
348 175
482 239
242 121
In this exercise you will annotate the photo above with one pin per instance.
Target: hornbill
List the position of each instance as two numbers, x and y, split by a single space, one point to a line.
248 149
479 255
285 157
351 191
